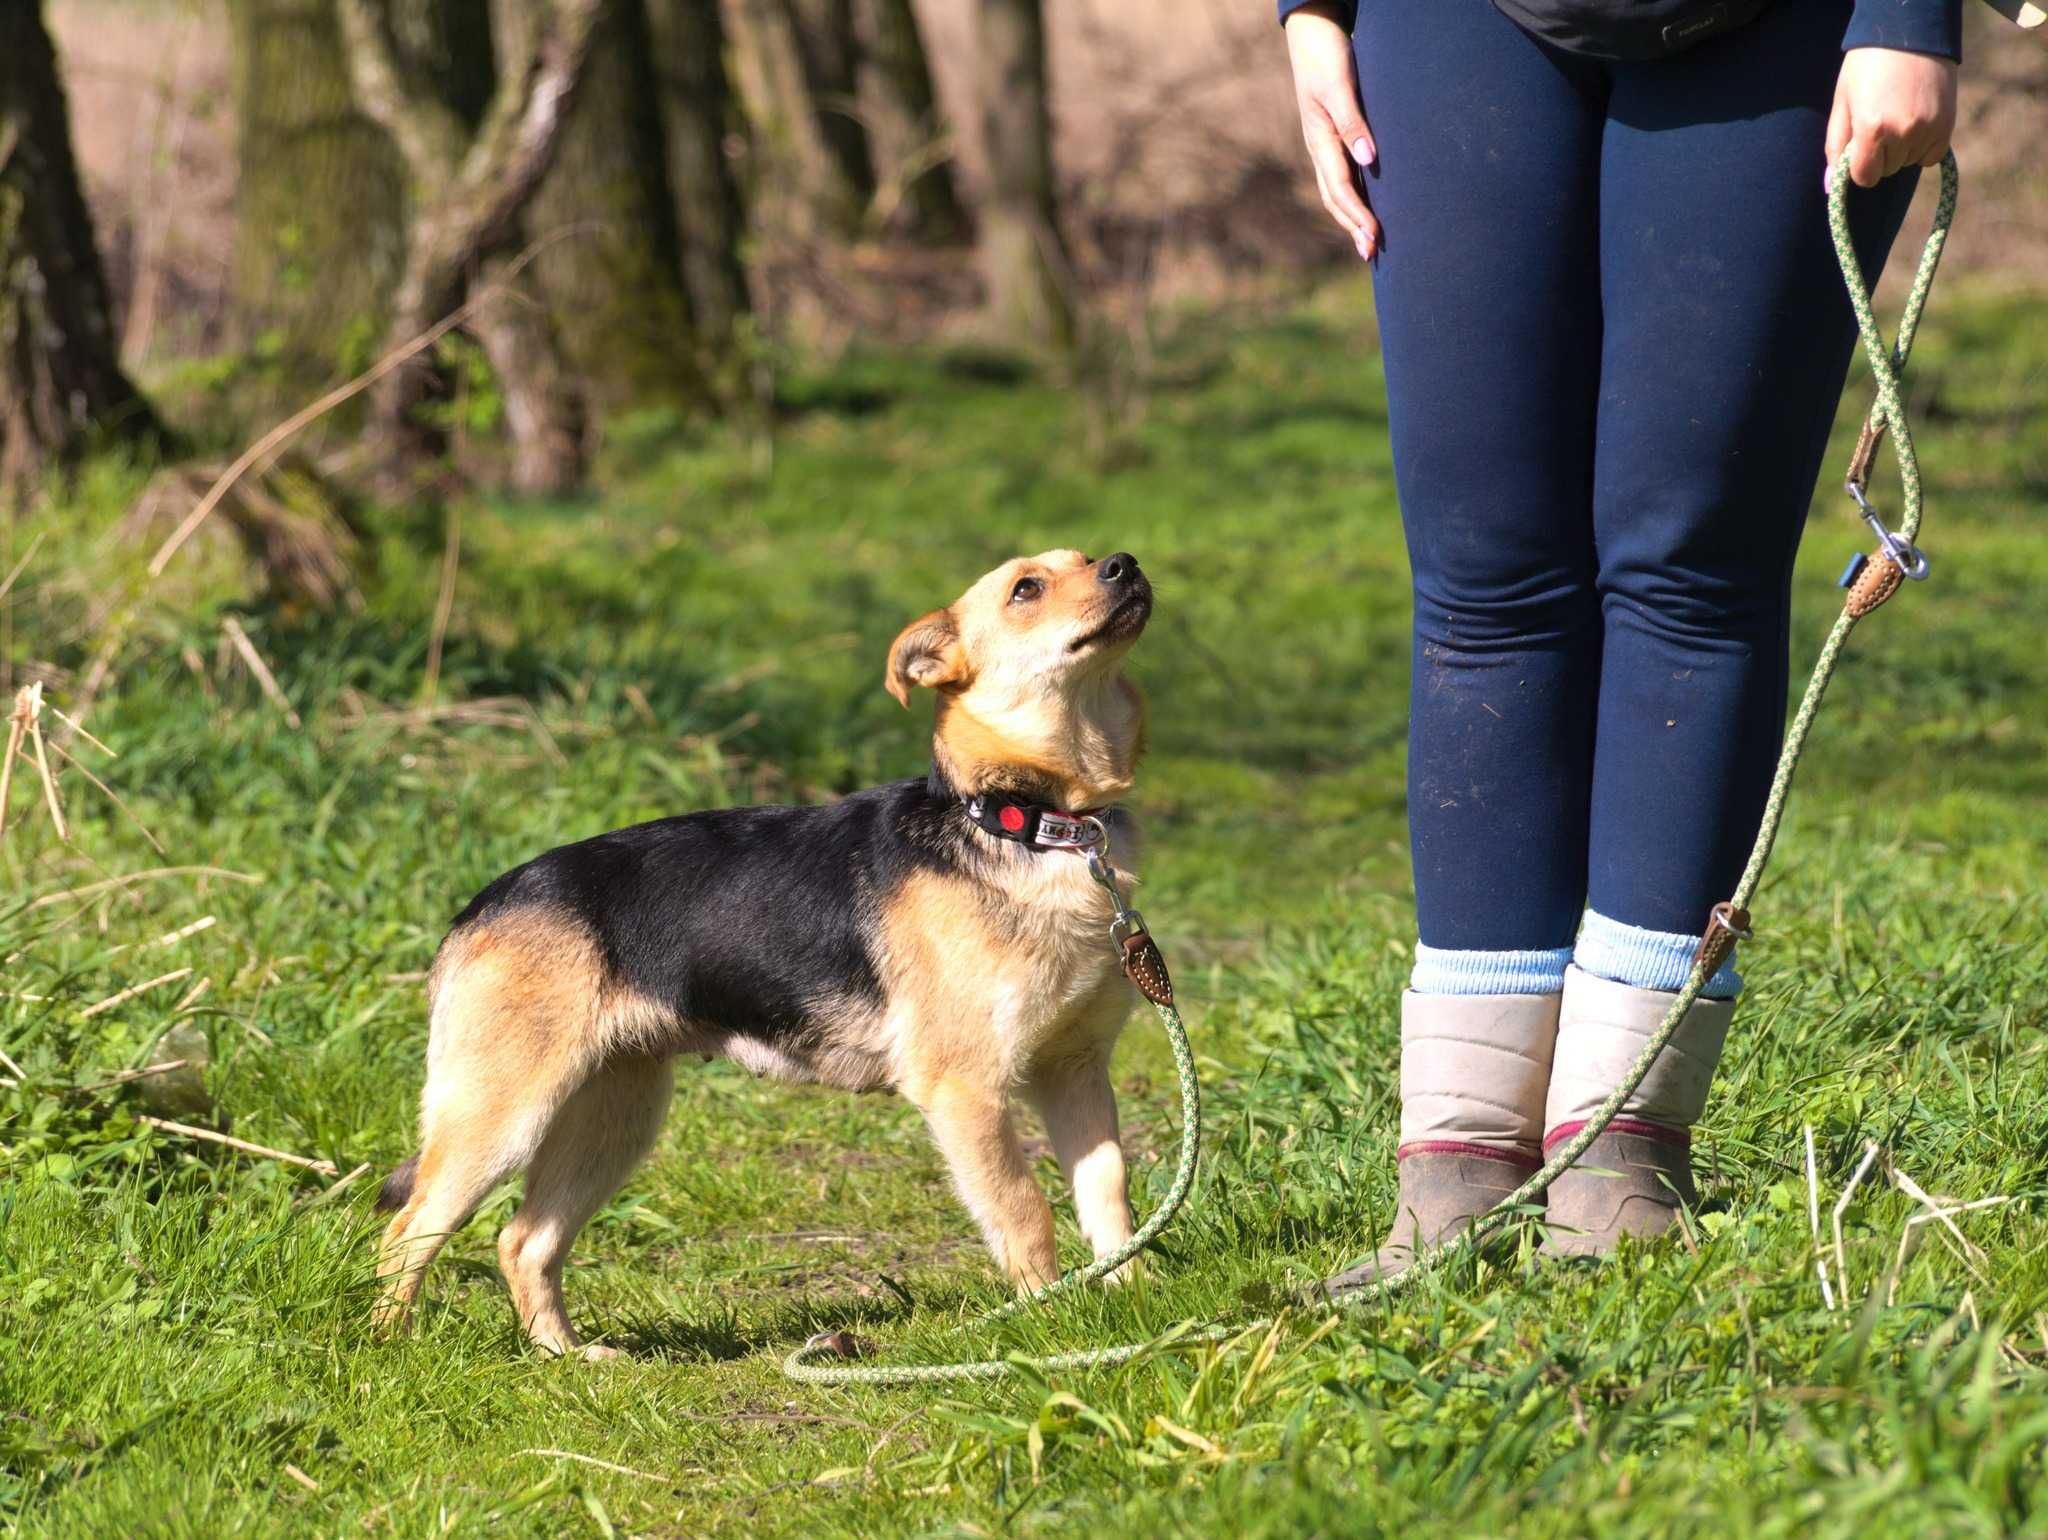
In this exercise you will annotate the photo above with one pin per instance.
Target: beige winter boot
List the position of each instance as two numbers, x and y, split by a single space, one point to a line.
1633 1178
1474 1071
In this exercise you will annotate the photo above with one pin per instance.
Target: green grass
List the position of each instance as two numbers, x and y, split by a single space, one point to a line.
176 1326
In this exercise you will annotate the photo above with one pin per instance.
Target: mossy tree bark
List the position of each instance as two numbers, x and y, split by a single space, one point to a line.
319 192
699 115
470 186
610 264
802 81
61 383
1024 259
911 148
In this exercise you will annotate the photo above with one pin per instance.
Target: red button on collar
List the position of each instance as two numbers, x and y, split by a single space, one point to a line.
1012 818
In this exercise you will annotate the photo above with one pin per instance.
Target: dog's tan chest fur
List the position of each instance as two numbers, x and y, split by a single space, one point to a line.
983 982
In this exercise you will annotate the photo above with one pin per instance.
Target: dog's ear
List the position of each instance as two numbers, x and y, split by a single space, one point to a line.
928 653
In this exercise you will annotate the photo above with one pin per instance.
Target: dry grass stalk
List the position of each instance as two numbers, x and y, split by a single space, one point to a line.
265 680
1909 1236
27 722
356 1174
21 566
205 983
79 729
584 1459
128 1075
108 792
96 672
16 725
35 737
189 656
1820 1263
301 1477
444 604
168 938
1842 1207
132 991
509 711
94 889
1971 1254
296 529
324 1167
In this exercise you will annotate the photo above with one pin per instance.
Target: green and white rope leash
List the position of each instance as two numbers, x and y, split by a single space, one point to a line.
1889 414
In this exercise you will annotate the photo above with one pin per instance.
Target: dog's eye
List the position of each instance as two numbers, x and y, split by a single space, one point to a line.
1026 590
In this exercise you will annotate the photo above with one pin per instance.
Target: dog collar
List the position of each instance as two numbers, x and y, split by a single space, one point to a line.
1037 824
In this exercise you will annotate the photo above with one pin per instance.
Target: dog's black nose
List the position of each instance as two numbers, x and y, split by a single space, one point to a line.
1120 568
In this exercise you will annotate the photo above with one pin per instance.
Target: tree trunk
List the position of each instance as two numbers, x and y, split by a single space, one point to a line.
449 46
802 83
610 265
1024 261
912 150
319 195
544 408
698 114
60 379
830 55
470 188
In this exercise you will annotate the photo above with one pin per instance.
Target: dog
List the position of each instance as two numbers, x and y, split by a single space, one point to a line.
940 937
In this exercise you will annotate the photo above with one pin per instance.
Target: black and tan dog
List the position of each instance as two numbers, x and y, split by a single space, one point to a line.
931 937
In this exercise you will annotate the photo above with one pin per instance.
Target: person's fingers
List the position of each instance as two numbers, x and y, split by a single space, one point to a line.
1924 148
1341 104
1336 180
1337 216
1866 157
1364 234
1901 153
1371 230
1839 128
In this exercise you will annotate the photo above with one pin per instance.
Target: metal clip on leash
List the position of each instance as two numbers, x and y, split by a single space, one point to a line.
1135 949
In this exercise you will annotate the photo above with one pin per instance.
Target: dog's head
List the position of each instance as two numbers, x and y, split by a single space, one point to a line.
1027 665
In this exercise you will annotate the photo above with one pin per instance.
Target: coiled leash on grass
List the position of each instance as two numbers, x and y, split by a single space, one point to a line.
1870 581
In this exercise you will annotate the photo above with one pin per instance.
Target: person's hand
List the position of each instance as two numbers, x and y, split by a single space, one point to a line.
1892 110
1332 120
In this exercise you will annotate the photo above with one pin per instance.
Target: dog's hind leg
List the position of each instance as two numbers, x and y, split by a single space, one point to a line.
595 1141
514 1034
475 1136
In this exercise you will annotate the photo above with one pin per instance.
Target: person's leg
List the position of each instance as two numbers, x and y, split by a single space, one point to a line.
1727 340
1488 308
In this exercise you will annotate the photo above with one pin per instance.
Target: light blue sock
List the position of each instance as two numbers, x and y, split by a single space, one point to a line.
1647 959
1444 971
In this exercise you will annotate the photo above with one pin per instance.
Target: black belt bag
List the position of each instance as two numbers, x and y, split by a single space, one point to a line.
1627 29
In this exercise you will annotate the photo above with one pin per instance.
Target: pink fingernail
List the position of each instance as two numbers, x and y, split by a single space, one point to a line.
1364 244
1362 151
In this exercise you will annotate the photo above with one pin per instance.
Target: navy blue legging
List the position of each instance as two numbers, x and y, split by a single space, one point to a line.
1614 337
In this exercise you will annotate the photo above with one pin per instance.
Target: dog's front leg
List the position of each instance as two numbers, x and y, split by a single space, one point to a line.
975 1133
1078 1104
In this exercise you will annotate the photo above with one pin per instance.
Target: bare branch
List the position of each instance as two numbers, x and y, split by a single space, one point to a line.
428 135
522 128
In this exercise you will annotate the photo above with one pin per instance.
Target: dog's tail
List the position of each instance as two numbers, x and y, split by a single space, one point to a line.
397 1186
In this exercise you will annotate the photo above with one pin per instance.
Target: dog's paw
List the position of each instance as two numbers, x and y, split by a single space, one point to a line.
597 1353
